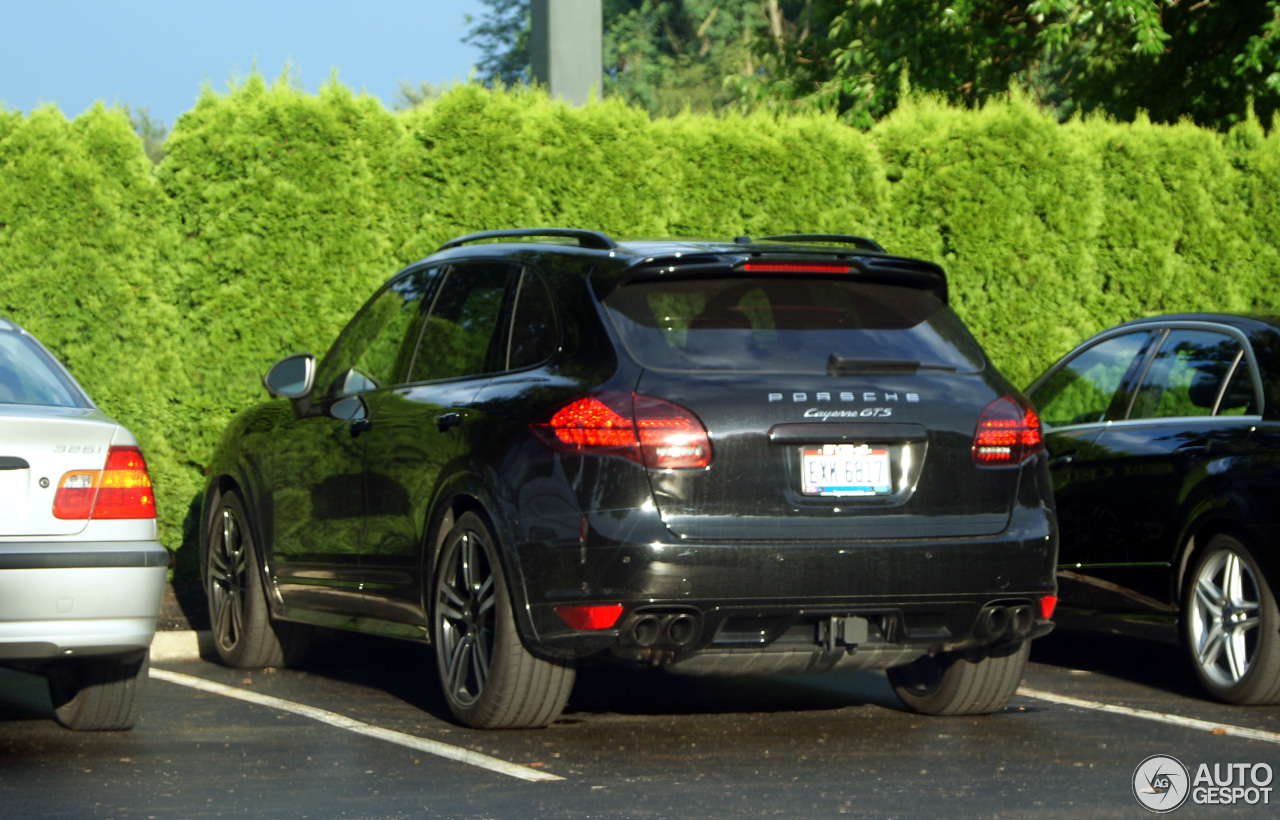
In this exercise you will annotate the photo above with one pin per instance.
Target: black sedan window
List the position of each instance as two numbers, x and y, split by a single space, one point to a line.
1186 376
1083 389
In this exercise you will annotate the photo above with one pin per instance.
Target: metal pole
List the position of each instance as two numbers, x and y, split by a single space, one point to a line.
565 47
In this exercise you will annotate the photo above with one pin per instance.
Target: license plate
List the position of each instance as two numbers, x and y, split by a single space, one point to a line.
844 469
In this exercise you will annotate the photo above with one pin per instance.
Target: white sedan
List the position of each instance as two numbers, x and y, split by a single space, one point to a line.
81 571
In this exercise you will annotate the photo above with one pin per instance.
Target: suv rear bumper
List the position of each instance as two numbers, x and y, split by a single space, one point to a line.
79 598
909 596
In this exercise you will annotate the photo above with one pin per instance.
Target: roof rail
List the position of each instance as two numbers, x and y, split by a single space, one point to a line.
839 238
586 239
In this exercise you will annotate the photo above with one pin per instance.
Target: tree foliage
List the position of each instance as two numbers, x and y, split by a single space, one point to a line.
1206 59
662 55
410 96
1171 58
667 55
151 131
502 35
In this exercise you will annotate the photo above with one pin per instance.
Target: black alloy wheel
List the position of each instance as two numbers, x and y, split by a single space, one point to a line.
489 679
242 630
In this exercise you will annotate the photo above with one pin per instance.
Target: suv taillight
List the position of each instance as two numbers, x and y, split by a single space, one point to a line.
653 432
121 489
1007 433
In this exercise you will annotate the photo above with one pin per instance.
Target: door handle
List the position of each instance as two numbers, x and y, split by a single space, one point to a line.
1195 448
1191 452
447 421
360 426
1062 460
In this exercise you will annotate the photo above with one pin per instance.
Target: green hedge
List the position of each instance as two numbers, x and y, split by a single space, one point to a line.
275 213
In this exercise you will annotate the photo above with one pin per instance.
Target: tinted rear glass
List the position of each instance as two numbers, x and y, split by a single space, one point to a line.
793 324
27 376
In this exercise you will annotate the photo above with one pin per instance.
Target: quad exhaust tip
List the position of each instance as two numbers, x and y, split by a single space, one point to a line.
662 629
996 622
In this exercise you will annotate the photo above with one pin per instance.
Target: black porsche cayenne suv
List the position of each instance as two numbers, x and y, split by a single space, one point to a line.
751 456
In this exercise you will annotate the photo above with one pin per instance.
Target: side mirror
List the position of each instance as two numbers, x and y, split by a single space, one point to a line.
355 381
350 408
292 377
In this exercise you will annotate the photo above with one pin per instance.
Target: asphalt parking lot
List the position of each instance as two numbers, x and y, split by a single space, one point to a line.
361 732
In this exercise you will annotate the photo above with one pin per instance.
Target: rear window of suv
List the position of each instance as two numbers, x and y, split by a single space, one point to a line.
792 324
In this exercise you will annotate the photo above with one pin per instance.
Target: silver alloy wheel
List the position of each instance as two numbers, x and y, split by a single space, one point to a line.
465 608
1225 615
228 562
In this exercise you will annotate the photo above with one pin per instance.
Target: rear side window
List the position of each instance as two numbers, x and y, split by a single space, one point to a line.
457 334
792 324
28 377
1187 375
533 324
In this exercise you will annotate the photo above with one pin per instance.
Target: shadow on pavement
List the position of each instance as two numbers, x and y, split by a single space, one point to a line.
24 696
1156 664
408 672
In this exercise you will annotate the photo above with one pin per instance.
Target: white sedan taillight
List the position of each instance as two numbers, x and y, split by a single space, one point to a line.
121 489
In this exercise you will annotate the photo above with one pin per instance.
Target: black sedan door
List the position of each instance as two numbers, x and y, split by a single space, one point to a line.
1077 401
1159 461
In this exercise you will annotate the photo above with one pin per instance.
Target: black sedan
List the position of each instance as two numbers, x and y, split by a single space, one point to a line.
782 455
1164 442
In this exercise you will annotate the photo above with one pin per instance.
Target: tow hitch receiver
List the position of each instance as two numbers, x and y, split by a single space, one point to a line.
847 631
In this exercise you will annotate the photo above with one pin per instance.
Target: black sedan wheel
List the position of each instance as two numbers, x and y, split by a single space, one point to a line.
1231 625
243 633
490 680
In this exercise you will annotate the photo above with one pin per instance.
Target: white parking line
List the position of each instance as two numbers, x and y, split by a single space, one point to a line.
432 747
1158 717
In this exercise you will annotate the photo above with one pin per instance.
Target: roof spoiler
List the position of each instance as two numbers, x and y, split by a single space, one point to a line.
831 238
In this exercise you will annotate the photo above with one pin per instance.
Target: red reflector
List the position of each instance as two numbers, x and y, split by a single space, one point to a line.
122 489
650 431
601 616
1047 604
793 267
1007 433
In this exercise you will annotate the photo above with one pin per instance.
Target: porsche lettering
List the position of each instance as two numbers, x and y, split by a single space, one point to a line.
847 396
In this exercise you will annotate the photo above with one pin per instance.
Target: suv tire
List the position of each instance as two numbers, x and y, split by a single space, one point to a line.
954 684
243 633
489 679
